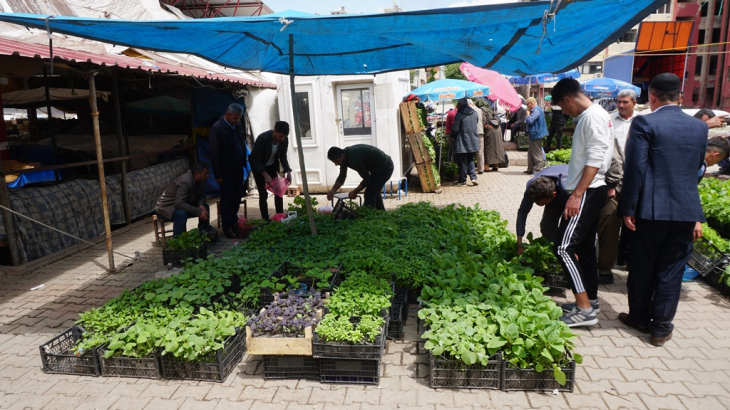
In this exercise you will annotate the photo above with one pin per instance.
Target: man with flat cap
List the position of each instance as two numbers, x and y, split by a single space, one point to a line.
660 203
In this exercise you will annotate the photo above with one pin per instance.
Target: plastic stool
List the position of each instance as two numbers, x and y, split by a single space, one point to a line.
218 209
398 180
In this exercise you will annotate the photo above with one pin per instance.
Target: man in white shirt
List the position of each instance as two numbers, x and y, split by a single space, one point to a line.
589 160
621 119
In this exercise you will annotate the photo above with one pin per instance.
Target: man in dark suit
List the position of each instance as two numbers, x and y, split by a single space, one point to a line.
267 158
228 158
660 203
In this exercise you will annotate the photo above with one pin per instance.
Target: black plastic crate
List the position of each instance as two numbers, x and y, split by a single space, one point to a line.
344 350
56 355
148 367
291 367
343 371
706 257
455 374
530 380
713 279
554 280
214 367
398 314
401 298
178 257
290 269
414 294
523 140
344 209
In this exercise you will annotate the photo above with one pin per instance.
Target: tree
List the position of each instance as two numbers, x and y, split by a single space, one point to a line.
452 71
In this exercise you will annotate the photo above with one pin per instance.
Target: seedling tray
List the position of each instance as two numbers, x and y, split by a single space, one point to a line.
342 371
706 257
290 269
214 367
56 355
713 279
530 380
145 367
554 280
449 373
178 257
344 209
523 141
291 367
344 350
398 314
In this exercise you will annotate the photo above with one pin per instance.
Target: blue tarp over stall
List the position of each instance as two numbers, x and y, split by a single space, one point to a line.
620 67
512 38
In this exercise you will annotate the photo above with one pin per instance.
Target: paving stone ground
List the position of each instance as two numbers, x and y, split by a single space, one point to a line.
621 369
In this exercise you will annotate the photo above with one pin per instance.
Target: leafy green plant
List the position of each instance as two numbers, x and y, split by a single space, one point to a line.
715 199
725 276
360 295
711 235
335 328
299 204
192 239
449 169
558 156
539 255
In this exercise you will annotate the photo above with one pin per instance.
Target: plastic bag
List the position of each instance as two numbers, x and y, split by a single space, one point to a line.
278 217
278 186
325 209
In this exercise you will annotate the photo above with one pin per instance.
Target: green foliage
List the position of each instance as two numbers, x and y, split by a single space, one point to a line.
299 205
452 71
725 276
335 328
558 156
539 255
359 295
711 235
192 239
715 199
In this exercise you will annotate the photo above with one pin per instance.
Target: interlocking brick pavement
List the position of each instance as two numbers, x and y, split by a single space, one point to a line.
621 369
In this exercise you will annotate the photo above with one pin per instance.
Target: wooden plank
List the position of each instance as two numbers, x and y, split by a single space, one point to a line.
282 346
416 144
406 117
429 170
414 116
289 346
423 174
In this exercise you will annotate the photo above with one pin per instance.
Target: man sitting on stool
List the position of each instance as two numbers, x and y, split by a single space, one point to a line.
184 198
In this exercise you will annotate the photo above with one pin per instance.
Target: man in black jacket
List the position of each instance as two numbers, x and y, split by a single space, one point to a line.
228 158
516 122
267 158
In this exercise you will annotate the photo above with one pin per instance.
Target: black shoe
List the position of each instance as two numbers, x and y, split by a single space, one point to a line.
626 319
459 183
229 233
605 279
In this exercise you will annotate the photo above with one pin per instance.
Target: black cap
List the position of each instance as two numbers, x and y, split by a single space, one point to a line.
666 82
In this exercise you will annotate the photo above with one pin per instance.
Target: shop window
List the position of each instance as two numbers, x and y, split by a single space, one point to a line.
305 119
356 114
698 66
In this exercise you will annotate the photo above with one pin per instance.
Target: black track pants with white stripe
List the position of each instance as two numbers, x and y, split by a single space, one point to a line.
577 236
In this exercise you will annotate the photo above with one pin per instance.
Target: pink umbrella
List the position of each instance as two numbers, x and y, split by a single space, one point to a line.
499 87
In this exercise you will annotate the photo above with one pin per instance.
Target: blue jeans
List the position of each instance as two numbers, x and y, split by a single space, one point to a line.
180 220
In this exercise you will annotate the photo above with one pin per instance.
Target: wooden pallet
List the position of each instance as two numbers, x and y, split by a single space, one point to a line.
421 157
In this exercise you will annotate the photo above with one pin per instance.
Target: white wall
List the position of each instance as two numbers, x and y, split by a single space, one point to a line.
388 91
263 110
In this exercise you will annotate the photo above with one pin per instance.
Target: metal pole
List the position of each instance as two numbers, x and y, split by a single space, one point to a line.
122 152
100 165
8 220
297 130
50 122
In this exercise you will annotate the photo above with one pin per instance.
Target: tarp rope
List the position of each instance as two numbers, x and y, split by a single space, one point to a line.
137 255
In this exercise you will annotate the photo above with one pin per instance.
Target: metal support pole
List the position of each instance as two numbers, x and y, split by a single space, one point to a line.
122 152
100 165
297 130
50 122
8 220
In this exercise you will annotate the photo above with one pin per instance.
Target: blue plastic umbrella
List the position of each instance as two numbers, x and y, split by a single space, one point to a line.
447 89
545 77
606 87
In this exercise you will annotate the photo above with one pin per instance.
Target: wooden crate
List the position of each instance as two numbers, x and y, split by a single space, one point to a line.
409 114
280 346
425 173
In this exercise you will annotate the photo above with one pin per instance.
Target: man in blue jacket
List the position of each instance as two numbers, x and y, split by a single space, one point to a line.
228 158
537 128
661 204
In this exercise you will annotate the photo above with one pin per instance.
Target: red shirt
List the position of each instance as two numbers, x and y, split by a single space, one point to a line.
450 120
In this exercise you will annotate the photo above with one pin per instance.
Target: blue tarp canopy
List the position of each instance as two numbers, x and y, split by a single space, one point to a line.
545 77
512 38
